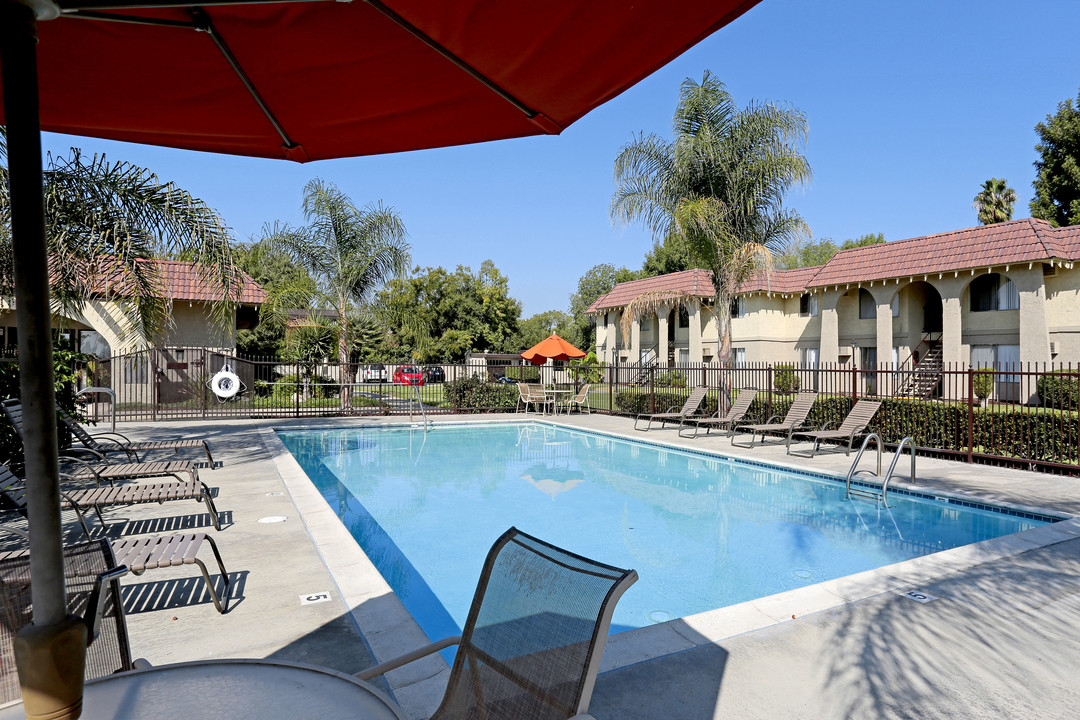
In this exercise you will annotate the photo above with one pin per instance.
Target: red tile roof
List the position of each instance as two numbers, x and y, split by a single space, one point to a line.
1027 240
1019 241
182 281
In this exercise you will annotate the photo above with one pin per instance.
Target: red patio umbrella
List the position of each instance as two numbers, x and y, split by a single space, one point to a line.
298 79
551 348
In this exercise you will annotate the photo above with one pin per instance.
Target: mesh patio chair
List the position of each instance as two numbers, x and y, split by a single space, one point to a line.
853 426
794 420
734 414
93 593
693 402
534 635
531 393
581 400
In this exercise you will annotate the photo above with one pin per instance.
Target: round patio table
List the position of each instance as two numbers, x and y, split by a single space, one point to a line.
554 394
230 689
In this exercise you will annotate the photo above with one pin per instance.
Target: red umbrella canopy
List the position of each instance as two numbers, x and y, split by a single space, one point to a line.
320 79
552 348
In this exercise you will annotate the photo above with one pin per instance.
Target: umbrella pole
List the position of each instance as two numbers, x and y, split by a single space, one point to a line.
50 652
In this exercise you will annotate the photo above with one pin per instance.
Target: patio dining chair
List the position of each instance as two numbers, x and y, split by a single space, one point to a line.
581 400
531 393
93 593
534 635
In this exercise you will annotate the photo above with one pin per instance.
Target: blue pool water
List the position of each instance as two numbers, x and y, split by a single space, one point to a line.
702 532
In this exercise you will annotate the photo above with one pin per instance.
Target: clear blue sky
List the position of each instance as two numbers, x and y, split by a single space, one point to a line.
911 106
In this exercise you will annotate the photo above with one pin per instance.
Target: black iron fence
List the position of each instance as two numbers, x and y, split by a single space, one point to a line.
1022 416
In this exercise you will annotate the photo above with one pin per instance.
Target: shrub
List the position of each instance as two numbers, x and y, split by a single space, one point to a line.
785 381
672 378
476 394
523 373
1059 390
982 383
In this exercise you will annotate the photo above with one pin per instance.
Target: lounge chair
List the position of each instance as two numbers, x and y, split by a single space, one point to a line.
693 402
736 413
854 425
93 593
794 420
581 399
101 444
79 469
534 635
13 496
141 554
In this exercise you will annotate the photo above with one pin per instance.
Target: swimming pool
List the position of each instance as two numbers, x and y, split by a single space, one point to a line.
703 532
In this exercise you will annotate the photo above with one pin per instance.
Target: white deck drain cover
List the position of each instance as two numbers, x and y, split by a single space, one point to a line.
802 574
919 596
274 494
315 597
273 519
659 616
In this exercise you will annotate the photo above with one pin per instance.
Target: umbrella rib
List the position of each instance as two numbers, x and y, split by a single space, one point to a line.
442 50
200 22
207 26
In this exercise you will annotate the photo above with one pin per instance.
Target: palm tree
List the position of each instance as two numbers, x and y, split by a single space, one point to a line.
350 252
995 202
103 221
718 186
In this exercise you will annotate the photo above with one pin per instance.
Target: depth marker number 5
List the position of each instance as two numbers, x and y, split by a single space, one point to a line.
315 597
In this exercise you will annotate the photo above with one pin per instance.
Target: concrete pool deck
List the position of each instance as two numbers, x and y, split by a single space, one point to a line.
999 640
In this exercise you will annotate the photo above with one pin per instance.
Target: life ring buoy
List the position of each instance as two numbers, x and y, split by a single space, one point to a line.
225 383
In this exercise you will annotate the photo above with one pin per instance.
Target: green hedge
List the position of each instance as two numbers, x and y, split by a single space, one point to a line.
635 402
475 394
523 373
1060 391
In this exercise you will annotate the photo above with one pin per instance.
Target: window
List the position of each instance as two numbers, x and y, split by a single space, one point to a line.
809 357
739 355
738 307
867 309
684 317
808 305
1049 269
135 369
994 292
896 305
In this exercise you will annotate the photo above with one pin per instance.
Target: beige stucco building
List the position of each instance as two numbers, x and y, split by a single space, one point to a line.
100 328
988 296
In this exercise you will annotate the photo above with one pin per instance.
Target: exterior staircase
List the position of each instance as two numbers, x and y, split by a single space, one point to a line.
645 368
923 379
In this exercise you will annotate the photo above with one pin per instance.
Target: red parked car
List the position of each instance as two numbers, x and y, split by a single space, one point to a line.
409 375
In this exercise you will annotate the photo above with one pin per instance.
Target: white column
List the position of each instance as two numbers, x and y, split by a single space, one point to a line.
635 342
951 331
612 339
695 332
1034 331
884 335
662 349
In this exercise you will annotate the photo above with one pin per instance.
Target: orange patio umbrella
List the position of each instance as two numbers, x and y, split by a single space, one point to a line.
552 348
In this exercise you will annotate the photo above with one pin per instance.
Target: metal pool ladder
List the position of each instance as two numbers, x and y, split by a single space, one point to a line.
874 494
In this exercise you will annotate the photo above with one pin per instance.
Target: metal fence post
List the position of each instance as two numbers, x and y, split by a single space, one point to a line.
971 413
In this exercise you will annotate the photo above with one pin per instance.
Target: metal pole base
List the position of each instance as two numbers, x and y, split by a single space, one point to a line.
52 661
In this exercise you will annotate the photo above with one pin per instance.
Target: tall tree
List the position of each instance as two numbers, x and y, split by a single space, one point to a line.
597 280
103 221
995 201
821 251
719 185
1057 186
288 286
350 252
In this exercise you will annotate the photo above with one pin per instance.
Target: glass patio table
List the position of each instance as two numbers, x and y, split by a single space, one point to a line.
230 689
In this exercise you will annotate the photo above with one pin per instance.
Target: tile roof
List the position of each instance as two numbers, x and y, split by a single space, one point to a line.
182 281
1027 240
696 283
